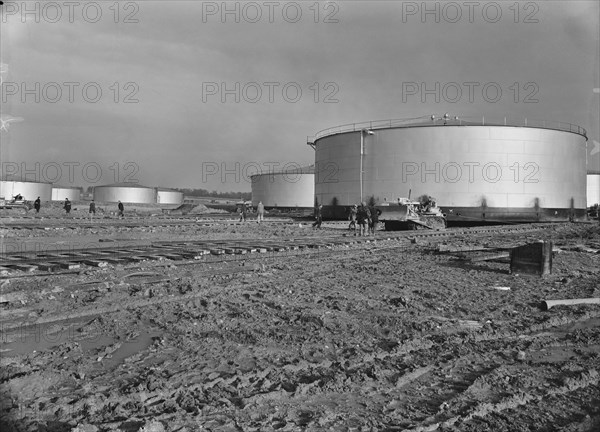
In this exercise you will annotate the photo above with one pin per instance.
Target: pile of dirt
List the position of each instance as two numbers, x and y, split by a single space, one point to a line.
202 209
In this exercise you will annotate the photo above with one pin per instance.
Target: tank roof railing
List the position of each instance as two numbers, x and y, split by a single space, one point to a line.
446 121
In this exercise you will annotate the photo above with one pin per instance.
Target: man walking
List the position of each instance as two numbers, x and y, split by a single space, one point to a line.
243 211
121 209
318 216
375 213
92 210
260 210
37 204
67 206
363 217
353 211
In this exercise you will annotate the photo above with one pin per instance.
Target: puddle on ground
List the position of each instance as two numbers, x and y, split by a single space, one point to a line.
581 325
45 337
558 353
126 349
561 354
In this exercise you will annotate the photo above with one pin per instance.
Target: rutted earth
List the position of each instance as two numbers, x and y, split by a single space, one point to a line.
384 336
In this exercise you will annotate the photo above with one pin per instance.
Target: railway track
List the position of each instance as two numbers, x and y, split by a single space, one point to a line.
195 251
111 223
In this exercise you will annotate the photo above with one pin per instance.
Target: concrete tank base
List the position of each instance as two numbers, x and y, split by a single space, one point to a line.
465 216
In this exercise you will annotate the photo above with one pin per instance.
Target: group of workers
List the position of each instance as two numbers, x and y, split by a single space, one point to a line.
37 205
260 212
364 219
92 208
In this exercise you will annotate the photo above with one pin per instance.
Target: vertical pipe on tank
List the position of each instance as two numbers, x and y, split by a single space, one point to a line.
362 152
362 143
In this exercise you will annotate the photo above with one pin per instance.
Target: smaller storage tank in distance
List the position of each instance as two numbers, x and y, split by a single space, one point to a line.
29 190
292 188
168 196
593 188
125 192
59 193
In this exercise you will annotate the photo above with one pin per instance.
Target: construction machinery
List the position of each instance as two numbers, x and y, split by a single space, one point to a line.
407 214
19 204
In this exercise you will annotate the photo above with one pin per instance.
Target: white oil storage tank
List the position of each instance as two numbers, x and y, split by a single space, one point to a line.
28 190
59 193
168 196
478 170
289 188
593 188
126 193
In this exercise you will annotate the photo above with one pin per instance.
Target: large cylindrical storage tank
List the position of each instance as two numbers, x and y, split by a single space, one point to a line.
29 190
292 188
476 171
593 188
168 196
126 193
59 193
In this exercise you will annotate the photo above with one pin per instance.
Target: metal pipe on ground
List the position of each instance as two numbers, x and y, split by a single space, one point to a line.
547 304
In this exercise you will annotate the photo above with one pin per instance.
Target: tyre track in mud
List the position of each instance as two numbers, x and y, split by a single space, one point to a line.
362 342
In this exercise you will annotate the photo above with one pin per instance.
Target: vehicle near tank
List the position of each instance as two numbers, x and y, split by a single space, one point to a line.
16 203
240 204
407 214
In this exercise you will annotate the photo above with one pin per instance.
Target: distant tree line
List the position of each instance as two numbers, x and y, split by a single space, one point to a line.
214 194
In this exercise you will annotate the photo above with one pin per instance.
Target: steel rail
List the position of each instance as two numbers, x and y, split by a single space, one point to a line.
145 224
213 251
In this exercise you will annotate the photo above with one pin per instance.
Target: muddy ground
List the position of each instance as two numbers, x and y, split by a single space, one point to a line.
383 336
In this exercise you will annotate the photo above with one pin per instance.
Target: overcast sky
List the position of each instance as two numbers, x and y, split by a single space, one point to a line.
176 60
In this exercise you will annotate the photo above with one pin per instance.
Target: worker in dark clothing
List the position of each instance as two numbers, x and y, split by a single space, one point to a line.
260 210
243 212
92 210
352 217
318 216
362 218
37 204
67 206
375 213
121 209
